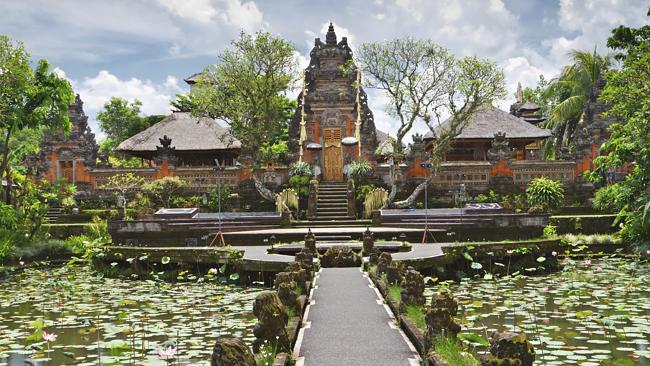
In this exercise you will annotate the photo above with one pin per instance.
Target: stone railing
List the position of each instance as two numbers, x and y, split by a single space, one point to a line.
201 180
527 170
474 174
100 176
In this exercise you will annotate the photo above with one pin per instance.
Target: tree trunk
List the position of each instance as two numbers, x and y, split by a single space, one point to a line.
266 193
411 199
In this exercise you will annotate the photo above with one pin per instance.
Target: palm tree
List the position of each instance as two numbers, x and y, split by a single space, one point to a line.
577 86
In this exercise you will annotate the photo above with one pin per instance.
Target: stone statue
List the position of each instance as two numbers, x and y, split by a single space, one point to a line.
509 349
394 273
310 241
286 286
385 259
412 289
231 352
368 242
340 256
271 322
439 317
500 148
306 259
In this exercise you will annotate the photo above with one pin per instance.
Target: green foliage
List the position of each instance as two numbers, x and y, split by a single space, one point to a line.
628 93
120 120
162 192
357 170
270 152
545 193
300 183
416 314
300 168
8 217
246 89
575 87
30 98
363 190
215 196
450 350
549 231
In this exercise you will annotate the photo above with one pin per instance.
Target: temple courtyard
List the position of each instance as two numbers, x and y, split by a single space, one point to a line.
444 183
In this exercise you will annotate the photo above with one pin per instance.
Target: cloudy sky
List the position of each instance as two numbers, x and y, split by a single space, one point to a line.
144 48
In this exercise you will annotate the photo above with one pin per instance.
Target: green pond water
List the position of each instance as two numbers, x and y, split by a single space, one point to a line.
124 321
591 313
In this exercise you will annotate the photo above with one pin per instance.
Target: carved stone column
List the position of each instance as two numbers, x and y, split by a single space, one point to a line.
312 199
352 199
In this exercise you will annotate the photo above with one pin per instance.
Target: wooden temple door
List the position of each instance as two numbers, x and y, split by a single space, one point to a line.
333 155
67 171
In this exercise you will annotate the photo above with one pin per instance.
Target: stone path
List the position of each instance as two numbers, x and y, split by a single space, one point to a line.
347 324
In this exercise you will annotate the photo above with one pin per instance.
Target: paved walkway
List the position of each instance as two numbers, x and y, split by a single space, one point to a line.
346 324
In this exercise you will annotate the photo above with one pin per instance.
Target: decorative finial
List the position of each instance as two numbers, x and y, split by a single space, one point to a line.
520 94
330 38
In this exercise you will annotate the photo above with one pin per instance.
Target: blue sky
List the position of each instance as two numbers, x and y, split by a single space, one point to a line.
144 48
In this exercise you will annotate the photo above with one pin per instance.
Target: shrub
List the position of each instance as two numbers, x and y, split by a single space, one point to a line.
613 197
549 231
374 200
8 217
545 193
163 192
357 169
220 193
300 168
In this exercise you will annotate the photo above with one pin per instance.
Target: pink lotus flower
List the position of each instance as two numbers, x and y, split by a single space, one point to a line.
588 261
545 289
554 253
647 252
50 337
167 353
565 260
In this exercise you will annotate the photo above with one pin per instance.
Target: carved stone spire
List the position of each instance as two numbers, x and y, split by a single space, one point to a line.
520 94
330 38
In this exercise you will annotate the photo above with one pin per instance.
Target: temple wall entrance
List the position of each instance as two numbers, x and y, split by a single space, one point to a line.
333 155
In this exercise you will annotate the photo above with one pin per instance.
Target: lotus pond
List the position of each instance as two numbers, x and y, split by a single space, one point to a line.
120 321
591 313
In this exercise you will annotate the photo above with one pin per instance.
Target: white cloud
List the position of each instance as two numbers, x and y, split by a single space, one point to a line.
96 91
199 10
246 16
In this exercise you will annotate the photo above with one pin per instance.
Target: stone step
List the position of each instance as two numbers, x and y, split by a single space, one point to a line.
332 200
332 217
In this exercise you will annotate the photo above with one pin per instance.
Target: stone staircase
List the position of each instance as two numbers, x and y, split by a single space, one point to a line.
332 202
53 214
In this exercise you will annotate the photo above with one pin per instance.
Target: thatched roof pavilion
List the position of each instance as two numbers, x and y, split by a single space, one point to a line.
475 139
197 141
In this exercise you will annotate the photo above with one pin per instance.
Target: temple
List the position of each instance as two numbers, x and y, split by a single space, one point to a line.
332 126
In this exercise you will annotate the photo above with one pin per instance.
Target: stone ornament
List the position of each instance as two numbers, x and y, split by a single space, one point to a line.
310 241
500 148
305 258
385 259
368 242
231 352
394 273
509 349
439 318
412 289
271 322
340 256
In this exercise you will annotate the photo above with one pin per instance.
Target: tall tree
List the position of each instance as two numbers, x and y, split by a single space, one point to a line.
121 119
29 98
577 86
628 92
424 83
247 89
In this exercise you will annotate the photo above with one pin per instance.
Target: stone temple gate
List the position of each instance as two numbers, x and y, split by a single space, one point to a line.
333 124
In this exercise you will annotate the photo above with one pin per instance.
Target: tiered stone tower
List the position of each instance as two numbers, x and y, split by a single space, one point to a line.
333 124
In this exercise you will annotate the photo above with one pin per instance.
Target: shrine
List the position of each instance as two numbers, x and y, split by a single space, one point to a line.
333 124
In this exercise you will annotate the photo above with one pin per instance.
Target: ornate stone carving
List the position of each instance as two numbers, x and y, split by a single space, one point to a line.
439 317
286 286
373 256
385 259
166 152
412 288
368 242
271 322
310 241
340 256
394 273
231 352
510 349
306 259
500 148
